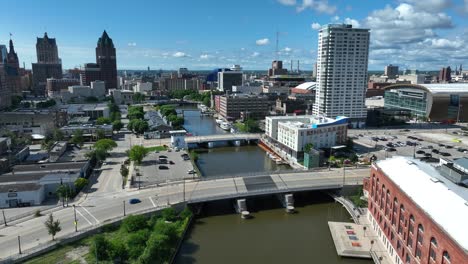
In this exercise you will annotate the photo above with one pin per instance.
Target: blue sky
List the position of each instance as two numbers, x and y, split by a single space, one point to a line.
205 34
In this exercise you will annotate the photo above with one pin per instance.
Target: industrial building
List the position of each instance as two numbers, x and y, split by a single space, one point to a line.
418 214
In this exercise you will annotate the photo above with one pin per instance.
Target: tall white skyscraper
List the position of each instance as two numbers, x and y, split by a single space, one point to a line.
342 60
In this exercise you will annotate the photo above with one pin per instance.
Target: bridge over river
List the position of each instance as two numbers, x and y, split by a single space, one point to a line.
221 137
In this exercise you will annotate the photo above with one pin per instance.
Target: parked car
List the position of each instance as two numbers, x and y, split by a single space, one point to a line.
435 151
191 172
445 154
430 147
171 162
134 201
448 147
163 161
162 157
429 155
441 145
420 152
162 167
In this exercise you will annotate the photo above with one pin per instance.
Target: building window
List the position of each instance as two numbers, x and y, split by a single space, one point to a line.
432 248
408 259
445 258
411 224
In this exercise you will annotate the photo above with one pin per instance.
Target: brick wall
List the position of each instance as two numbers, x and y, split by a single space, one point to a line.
399 219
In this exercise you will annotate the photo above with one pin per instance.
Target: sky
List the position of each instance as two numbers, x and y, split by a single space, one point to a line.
207 34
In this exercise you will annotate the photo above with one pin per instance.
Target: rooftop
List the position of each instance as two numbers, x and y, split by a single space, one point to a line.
308 121
438 88
19 187
420 181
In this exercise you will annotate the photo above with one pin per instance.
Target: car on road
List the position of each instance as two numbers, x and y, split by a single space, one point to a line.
448 147
162 157
428 155
441 145
191 172
390 149
162 167
435 151
445 154
420 152
134 201
171 162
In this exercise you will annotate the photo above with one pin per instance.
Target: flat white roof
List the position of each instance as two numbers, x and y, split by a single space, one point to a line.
443 201
307 86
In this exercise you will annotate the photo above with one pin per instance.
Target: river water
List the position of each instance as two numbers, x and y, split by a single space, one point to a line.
219 235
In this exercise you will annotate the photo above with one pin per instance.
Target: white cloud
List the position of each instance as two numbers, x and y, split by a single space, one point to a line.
335 18
443 43
132 44
287 49
353 22
433 6
262 42
315 26
179 54
205 56
320 6
287 2
255 54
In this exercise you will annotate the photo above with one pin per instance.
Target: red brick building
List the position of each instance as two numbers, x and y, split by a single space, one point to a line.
418 214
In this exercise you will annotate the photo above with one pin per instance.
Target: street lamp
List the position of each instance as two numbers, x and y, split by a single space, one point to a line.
75 222
124 208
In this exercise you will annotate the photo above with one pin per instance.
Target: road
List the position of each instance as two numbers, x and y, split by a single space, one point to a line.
104 206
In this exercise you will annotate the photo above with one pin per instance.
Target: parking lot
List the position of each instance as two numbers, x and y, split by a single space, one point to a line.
164 166
418 143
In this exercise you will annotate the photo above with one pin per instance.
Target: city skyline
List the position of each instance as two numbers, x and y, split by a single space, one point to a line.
404 32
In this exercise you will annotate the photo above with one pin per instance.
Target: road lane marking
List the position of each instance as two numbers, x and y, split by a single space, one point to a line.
89 222
97 221
154 205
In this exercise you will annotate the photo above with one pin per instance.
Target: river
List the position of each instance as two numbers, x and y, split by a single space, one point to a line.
219 235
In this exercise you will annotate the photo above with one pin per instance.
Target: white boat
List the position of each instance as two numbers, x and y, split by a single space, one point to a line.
219 121
225 126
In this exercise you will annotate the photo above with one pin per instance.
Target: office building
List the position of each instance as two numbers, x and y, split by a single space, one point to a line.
277 69
93 111
5 92
391 71
48 64
32 121
228 78
445 75
241 106
293 133
80 93
433 102
55 86
342 72
417 213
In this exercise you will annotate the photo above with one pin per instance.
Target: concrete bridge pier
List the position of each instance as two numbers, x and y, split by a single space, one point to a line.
287 200
241 208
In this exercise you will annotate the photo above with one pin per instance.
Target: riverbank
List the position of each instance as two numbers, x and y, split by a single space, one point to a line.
137 238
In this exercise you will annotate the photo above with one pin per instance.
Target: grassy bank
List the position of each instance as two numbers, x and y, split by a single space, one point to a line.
156 148
356 198
138 239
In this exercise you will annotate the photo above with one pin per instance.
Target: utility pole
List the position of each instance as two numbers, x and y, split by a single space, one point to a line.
124 207
4 218
19 245
75 222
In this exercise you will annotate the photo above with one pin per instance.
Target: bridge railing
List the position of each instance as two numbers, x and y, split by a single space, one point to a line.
282 189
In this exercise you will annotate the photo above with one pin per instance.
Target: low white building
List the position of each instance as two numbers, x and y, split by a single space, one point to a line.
143 87
122 96
293 133
30 184
81 92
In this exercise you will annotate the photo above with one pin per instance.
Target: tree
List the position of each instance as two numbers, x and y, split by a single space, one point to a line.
158 249
118 251
103 121
169 214
138 98
97 154
117 125
105 144
100 134
47 145
77 137
135 112
100 247
53 226
137 153
308 147
64 192
207 101
134 223
80 183
136 242
138 126
58 135
123 170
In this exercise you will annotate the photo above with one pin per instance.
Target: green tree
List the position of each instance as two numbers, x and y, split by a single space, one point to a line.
100 134
64 192
137 153
47 145
158 250
97 154
134 223
103 121
123 170
138 98
169 214
80 183
58 135
308 147
136 242
100 247
118 251
138 126
53 226
105 144
77 137
207 101
117 125
135 112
